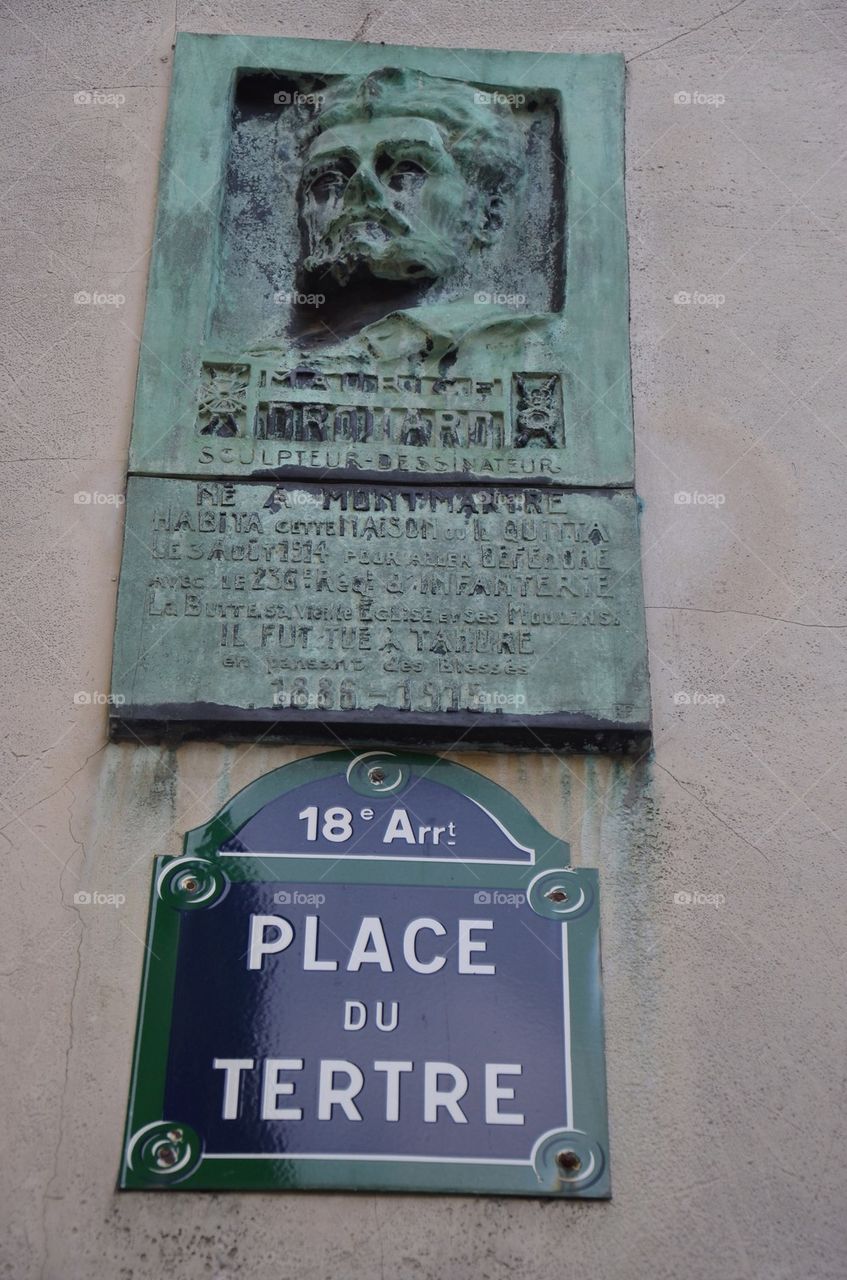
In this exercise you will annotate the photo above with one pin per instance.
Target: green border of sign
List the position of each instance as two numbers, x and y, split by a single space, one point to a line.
586 1143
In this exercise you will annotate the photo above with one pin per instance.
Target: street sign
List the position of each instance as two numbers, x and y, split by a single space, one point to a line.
372 972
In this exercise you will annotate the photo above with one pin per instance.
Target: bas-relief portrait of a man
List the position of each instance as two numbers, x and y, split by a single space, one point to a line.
406 176
407 182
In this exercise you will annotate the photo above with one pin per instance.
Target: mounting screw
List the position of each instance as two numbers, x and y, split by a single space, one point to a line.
166 1156
376 775
568 1161
556 895
189 884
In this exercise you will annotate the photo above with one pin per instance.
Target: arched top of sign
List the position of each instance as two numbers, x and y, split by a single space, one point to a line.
374 806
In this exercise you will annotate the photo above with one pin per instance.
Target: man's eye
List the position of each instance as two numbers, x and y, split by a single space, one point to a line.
328 184
405 174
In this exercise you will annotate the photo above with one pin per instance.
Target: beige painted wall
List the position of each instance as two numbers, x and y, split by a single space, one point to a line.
725 1026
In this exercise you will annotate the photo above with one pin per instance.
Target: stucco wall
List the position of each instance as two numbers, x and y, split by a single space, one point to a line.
725 1025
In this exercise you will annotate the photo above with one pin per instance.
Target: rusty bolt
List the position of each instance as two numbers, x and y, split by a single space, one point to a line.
568 1161
376 775
189 884
556 895
166 1156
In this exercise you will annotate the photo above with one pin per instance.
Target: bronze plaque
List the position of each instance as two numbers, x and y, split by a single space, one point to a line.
381 469
508 615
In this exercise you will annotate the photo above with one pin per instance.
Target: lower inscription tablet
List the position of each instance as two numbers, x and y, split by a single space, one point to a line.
444 615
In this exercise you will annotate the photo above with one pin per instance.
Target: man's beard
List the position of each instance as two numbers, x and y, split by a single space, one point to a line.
384 244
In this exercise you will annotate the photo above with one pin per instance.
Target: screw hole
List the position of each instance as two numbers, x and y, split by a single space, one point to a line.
556 895
376 775
568 1161
166 1157
189 884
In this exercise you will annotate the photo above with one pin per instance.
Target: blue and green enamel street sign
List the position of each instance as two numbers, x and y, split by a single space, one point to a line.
371 972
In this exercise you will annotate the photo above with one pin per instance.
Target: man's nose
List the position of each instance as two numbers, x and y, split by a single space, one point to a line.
364 186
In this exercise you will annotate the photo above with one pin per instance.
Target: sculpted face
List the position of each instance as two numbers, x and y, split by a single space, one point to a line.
386 195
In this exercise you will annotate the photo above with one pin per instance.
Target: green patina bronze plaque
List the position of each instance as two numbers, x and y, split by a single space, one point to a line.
391 261
381 467
432 614
371 973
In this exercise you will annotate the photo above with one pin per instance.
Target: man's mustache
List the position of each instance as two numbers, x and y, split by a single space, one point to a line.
381 219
